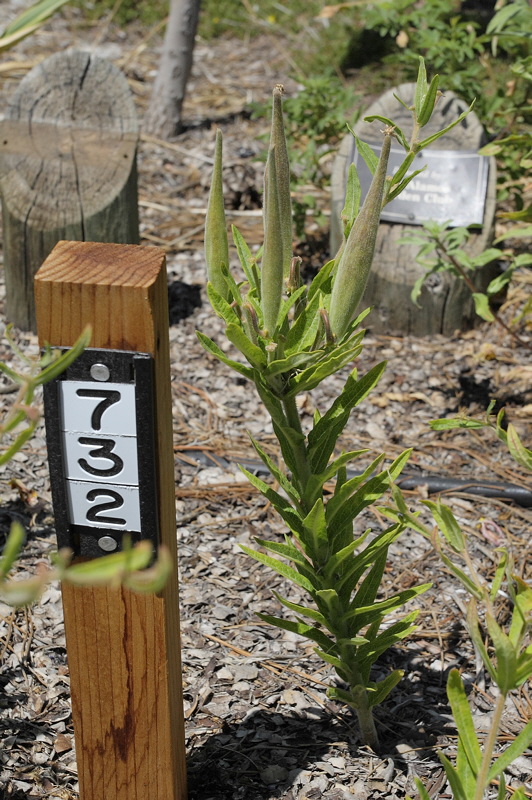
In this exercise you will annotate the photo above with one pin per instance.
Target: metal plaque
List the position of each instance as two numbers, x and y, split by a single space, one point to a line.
100 431
452 188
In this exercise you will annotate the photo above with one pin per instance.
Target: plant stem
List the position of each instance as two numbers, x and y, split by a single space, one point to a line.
300 451
367 728
472 288
489 747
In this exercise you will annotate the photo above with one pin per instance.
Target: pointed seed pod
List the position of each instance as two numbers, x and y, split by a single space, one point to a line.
282 168
216 241
353 268
271 277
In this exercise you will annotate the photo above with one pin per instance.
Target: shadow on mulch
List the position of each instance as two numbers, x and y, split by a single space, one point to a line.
183 299
236 763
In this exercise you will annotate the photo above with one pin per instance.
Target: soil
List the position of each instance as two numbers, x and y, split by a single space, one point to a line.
258 721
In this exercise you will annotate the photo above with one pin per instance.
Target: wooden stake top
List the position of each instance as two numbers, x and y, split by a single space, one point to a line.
102 264
109 285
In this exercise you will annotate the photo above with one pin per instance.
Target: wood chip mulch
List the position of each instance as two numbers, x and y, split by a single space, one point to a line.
258 722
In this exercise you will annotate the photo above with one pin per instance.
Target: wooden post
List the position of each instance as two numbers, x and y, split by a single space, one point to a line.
67 167
123 648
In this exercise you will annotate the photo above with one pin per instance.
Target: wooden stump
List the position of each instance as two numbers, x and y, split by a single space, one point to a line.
446 303
67 167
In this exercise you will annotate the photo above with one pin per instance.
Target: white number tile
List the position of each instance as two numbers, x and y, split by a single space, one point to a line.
107 408
106 459
114 507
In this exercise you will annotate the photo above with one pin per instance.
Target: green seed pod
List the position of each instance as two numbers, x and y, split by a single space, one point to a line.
216 241
271 277
282 168
355 262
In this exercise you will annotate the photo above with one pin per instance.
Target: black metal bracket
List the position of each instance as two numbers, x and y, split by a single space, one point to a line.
117 367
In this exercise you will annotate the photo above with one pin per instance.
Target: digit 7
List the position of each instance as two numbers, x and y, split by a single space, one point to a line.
110 396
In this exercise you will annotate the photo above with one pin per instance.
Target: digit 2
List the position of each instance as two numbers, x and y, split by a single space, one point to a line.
110 396
94 514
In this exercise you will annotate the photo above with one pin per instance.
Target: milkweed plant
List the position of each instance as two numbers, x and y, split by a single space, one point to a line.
293 337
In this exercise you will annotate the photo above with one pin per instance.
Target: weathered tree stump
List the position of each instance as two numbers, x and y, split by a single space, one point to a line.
67 167
446 303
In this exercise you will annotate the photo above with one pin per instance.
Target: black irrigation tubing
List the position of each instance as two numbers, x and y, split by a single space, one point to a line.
434 483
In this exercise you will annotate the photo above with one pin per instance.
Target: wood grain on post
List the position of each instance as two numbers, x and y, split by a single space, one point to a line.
123 648
67 167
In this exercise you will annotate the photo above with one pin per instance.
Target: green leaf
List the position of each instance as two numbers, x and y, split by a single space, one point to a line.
315 483
331 607
516 749
253 353
59 365
285 366
482 306
447 524
286 550
12 548
335 662
397 130
282 569
505 655
281 505
346 506
421 88
315 533
220 305
348 488
286 305
308 631
423 794
383 688
462 576
464 720
324 434
429 102
400 185
478 641
246 259
310 378
498 578
214 350
366 152
337 559
277 473
304 610
455 782
517 449
101 571
456 422
335 693
319 283
369 653
367 614
28 21
352 200
435 136
303 333
352 575
369 587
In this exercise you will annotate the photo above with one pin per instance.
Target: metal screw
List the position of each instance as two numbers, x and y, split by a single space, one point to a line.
100 372
107 543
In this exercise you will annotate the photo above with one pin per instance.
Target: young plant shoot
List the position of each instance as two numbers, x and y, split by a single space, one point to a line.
293 337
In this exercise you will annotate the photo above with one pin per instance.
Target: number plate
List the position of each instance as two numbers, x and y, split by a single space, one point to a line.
100 432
